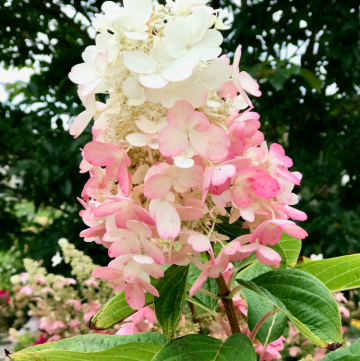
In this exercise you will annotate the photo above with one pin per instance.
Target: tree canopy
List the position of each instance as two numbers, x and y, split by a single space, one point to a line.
305 55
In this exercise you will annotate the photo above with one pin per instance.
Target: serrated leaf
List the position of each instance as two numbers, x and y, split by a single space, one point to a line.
209 285
338 274
168 306
204 348
351 353
115 311
304 299
289 249
233 230
142 346
259 306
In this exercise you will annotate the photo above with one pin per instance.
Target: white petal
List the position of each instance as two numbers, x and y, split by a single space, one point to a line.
180 69
139 62
208 47
138 139
132 88
183 162
154 81
199 22
178 34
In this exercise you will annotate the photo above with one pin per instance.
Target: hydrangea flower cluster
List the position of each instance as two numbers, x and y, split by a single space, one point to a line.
176 144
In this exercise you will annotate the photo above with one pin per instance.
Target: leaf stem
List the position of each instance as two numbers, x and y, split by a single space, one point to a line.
228 304
259 324
213 295
234 291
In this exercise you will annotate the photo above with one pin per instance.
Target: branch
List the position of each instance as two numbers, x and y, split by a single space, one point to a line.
228 304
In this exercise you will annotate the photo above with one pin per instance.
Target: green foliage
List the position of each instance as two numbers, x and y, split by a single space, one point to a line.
338 274
304 299
289 249
233 230
203 348
168 306
259 306
141 347
115 311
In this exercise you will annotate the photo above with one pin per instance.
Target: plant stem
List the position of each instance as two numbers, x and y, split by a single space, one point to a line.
228 304
259 324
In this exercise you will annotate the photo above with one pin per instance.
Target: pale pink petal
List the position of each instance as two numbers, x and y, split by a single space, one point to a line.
179 112
148 287
222 173
199 242
80 123
189 213
152 251
157 186
249 84
108 208
124 247
267 233
101 154
107 273
294 231
199 282
228 88
154 270
190 177
279 153
295 214
172 140
135 296
139 228
286 174
167 221
131 271
212 144
268 256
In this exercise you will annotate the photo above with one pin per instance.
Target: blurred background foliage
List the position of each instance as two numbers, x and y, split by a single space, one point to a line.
305 55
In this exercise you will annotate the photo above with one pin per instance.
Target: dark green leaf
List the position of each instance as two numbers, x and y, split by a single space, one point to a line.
259 306
172 290
204 348
304 299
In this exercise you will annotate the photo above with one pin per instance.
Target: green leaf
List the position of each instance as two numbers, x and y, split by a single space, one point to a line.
204 348
289 249
313 81
209 285
304 299
142 346
233 230
338 274
168 306
259 306
115 311
351 353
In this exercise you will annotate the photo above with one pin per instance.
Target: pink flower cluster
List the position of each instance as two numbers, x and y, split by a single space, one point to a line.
202 168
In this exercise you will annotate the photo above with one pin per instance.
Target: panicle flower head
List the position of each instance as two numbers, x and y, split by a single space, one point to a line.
176 144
